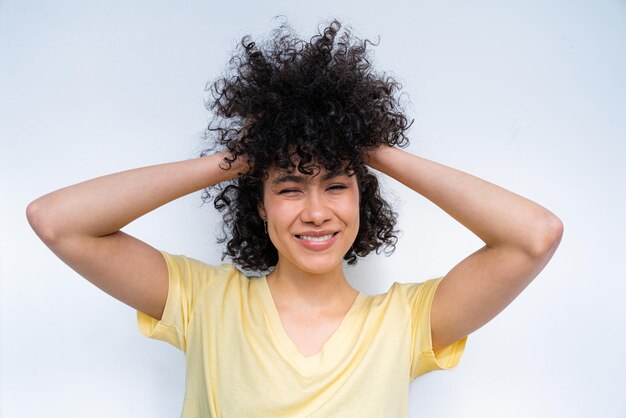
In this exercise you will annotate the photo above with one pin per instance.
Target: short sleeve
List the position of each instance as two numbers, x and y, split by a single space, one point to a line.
187 279
423 358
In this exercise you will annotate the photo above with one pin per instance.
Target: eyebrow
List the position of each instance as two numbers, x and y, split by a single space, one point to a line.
286 178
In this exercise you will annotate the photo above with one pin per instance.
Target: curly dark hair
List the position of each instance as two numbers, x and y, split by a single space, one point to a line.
295 104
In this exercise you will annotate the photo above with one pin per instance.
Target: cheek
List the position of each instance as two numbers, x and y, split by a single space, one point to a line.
357 211
281 216
278 210
351 210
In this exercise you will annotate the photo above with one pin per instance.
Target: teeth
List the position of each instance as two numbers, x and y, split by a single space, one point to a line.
318 239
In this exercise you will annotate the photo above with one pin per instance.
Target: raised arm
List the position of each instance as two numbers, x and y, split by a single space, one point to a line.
81 225
520 236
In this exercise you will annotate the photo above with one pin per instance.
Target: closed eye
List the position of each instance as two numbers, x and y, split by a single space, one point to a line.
338 187
286 191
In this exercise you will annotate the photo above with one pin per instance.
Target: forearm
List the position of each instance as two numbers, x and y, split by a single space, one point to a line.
496 215
105 204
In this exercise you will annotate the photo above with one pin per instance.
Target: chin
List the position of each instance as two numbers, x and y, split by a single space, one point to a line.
321 267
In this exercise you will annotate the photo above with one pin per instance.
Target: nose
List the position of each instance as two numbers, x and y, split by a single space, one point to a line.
316 209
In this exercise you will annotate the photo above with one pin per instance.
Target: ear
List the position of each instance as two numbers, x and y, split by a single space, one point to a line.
261 210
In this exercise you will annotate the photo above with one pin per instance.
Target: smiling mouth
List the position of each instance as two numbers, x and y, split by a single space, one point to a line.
317 239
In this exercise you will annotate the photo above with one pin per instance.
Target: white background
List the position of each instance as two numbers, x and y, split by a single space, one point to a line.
528 95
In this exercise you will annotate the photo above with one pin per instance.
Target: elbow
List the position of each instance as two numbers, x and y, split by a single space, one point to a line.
38 217
548 236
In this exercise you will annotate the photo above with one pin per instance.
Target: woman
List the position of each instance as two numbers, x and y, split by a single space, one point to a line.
303 121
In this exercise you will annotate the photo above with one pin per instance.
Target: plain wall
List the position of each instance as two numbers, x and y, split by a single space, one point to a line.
527 95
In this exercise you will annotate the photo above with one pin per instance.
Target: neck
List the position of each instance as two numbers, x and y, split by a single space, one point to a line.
293 288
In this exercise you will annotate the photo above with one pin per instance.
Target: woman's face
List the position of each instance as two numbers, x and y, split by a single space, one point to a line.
312 220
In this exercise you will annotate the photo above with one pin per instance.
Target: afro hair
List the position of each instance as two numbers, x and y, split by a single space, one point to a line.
294 104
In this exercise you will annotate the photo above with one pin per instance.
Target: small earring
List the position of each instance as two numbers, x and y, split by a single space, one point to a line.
265 225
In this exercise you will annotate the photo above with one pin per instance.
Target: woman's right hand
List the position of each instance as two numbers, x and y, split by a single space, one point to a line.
81 225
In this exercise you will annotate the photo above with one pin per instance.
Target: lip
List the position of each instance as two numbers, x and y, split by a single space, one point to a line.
317 233
316 245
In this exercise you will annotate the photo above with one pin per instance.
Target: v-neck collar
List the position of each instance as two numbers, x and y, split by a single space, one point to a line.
288 349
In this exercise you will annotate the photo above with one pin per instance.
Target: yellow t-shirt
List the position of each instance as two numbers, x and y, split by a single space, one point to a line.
240 362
